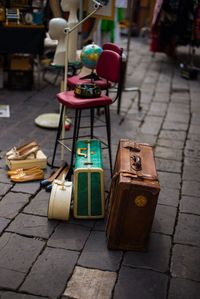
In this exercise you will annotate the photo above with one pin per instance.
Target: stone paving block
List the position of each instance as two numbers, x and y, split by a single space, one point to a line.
195 118
164 219
157 109
194 135
49 275
195 106
173 135
151 125
192 144
192 162
12 203
96 247
17 256
185 261
155 258
174 125
150 79
183 289
31 225
178 107
192 149
169 197
168 153
177 117
100 225
3 177
187 229
146 138
168 165
85 223
90 284
163 87
4 188
11 295
180 96
178 144
140 283
3 223
191 173
134 114
161 97
69 236
39 204
194 129
191 188
10 279
190 205
28 187
169 180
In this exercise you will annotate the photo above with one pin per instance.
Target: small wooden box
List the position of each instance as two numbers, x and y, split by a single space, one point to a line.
20 80
40 161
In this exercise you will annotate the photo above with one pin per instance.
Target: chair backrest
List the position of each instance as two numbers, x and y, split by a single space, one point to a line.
109 66
112 47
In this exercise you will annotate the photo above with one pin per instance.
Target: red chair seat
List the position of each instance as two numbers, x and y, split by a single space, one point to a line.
74 80
68 99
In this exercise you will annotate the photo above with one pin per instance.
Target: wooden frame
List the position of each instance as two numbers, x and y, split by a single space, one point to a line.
106 12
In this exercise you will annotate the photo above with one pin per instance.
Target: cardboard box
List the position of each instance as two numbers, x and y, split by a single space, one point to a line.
20 80
40 160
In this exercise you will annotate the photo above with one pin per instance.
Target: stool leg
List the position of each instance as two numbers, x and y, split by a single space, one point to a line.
57 135
108 129
78 123
74 136
91 122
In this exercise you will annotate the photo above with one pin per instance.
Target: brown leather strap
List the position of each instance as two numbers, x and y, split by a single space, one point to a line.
135 175
132 146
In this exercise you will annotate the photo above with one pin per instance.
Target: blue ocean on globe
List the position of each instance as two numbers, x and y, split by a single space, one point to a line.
90 55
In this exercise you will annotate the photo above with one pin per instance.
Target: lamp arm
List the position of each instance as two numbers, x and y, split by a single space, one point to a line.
82 21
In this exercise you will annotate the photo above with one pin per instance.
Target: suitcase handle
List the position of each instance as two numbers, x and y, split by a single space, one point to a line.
132 146
136 165
80 152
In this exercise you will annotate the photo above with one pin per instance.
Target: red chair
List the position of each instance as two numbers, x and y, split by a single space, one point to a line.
102 83
117 49
108 68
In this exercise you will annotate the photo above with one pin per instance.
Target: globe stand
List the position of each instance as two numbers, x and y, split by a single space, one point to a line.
93 76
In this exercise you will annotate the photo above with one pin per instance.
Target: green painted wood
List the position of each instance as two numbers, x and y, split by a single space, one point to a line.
81 174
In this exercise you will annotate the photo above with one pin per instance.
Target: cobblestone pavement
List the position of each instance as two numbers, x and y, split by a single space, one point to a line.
45 259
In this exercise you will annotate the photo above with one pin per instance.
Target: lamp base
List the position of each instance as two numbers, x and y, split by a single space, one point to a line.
51 120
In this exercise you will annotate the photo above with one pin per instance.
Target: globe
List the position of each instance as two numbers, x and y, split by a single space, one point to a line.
90 55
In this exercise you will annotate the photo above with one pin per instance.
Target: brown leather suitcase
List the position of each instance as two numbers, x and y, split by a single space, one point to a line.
133 197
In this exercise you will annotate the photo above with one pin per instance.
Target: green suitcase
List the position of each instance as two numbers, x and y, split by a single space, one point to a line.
89 200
